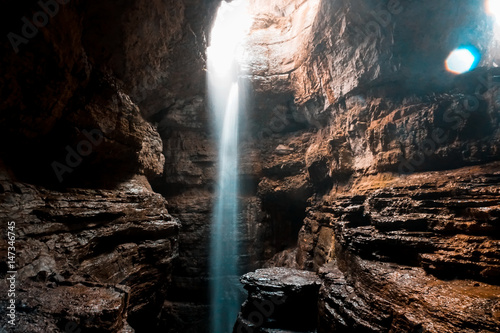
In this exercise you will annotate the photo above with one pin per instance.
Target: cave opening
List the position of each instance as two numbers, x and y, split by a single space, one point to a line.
313 166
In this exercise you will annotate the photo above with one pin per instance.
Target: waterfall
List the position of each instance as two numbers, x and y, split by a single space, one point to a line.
231 26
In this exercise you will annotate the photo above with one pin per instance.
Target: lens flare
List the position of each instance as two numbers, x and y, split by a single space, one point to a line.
493 8
462 60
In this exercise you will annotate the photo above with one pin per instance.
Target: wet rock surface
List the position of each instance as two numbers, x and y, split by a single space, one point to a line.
410 253
381 297
279 300
69 307
83 252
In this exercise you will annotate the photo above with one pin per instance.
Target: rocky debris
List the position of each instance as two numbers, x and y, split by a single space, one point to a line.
84 237
279 299
284 150
68 307
372 296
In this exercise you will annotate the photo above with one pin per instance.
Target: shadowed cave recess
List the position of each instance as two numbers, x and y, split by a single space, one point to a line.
368 166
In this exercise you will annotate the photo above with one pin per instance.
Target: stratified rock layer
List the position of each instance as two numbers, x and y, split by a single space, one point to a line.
105 254
122 70
404 241
413 253
381 297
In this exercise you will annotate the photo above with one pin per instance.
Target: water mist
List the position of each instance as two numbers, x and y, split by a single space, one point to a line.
231 26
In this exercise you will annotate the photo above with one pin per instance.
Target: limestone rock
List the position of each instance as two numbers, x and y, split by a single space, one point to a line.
279 299
69 242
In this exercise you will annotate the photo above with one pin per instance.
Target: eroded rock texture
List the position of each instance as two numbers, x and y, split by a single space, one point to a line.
97 258
414 253
80 144
279 299
403 240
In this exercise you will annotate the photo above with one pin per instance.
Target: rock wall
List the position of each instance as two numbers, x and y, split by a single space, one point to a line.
80 146
395 168
93 259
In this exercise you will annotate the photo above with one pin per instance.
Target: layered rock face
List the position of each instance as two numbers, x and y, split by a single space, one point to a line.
398 248
96 246
414 253
92 259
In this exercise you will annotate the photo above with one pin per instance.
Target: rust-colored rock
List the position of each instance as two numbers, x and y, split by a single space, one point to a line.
73 247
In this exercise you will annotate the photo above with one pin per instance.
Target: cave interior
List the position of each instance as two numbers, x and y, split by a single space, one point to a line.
369 166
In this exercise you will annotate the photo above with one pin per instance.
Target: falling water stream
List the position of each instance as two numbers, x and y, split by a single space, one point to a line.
230 28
